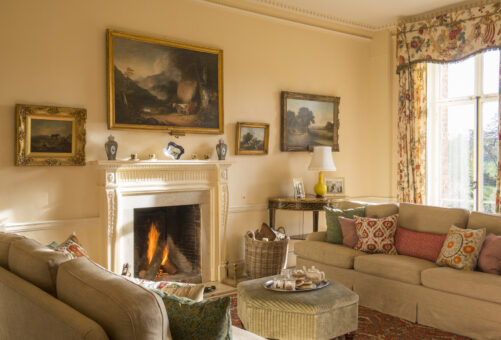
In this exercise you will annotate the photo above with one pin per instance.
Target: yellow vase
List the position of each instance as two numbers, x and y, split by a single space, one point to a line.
320 187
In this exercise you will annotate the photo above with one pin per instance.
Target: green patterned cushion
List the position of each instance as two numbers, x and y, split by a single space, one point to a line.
189 319
334 233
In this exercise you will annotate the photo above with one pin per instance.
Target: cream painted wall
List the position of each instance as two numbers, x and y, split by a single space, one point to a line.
53 53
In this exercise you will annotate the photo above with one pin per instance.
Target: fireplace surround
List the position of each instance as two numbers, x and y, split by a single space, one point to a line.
127 186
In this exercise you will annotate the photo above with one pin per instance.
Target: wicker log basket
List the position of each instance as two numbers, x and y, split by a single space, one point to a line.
265 258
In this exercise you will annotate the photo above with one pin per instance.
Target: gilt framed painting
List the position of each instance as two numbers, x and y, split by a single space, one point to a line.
308 120
49 135
161 85
252 138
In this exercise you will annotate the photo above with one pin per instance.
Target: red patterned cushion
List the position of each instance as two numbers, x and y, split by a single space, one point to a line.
72 247
376 235
418 244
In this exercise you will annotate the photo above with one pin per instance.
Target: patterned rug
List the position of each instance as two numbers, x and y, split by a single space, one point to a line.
376 325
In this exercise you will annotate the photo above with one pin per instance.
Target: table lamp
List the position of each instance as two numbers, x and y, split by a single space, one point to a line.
321 161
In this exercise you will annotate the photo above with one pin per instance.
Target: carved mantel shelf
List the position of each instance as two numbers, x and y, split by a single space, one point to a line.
121 182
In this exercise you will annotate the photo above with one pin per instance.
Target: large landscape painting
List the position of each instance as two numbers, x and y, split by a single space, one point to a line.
309 120
161 85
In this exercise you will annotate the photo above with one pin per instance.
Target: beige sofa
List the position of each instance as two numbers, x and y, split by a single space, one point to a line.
46 295
466 303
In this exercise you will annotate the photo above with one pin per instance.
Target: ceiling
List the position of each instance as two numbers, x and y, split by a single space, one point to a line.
372 15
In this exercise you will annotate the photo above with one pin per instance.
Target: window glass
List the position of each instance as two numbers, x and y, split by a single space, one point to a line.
457 79
456 155
489 160
490 72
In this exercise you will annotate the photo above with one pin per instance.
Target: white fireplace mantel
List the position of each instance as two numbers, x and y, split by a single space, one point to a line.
124 182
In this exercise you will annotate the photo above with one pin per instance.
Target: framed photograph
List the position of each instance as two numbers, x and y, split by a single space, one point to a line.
49 135
162 85
252 138
335 186
298 187
308 120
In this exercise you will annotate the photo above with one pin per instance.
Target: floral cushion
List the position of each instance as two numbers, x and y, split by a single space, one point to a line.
71 246
190 290
461 248
188 319
376 235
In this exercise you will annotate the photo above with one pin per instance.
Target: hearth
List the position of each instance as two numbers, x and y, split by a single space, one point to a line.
167 243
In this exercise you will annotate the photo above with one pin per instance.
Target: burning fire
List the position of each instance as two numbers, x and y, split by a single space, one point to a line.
152 242
165 256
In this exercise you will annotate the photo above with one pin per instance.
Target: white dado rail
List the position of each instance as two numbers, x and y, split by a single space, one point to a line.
126 185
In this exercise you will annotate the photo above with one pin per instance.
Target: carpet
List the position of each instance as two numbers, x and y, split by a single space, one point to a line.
376 325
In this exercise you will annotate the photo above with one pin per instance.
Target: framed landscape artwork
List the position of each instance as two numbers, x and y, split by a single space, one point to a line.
48 135
252 138
161 85
308 120
335 186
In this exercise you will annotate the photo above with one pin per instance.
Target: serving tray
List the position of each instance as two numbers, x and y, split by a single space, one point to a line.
269 285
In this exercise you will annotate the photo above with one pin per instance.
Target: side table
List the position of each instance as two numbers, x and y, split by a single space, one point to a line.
309 203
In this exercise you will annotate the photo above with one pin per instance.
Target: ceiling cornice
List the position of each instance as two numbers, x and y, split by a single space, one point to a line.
280 10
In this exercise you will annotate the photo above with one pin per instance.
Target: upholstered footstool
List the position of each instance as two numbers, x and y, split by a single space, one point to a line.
320 314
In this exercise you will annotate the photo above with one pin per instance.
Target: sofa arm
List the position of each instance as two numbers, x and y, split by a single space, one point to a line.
316 236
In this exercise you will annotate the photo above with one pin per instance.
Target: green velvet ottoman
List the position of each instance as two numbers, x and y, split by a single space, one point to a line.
320 314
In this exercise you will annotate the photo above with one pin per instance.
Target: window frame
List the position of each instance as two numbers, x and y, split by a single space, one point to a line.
478 99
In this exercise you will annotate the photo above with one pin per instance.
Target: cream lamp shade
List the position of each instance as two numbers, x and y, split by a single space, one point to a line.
322 159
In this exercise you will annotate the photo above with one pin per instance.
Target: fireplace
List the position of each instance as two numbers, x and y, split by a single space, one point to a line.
167 243
131 188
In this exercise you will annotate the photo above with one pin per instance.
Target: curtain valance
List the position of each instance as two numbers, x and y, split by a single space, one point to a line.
450 36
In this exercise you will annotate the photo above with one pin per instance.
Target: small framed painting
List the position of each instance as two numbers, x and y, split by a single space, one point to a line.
298 185
308 120
49 135
335 186
252 138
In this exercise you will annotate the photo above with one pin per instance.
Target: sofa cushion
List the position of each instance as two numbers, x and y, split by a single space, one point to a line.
491 222
376 235
430 219
461 248
417 244
124 309
476 285
381 210
36 263
334 232
207 319
5 240
489 260
350 238
327 253
394 267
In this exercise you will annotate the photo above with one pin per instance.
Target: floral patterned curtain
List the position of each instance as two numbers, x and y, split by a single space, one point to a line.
412 134
441 38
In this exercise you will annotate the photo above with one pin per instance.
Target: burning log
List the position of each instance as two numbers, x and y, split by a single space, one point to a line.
156 261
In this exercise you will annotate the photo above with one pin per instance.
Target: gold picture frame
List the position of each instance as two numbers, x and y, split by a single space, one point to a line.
308 120
161 85
335 186
50 135
252 138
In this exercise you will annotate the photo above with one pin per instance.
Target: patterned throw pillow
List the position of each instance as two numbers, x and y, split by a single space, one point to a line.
71 247
334 233
461 248
376 235
192 291
188 319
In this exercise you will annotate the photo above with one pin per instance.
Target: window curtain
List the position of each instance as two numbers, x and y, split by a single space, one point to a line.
441 38
412 133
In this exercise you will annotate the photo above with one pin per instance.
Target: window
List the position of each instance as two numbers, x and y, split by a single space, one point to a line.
462 142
